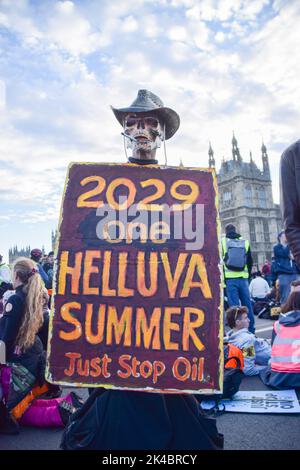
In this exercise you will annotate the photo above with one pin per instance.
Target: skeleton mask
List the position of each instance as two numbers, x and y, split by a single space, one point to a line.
144 132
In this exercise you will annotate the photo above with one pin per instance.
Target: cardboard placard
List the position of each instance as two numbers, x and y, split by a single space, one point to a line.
137 301
264 401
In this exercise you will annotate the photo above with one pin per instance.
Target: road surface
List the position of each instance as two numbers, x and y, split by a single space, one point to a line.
241 431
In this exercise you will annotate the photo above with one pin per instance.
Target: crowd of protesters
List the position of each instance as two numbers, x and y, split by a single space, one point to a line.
25 291
24 318
24 322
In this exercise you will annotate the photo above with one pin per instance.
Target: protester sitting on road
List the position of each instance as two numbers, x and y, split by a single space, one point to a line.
25 359
284 369
237 266
259 288
256 351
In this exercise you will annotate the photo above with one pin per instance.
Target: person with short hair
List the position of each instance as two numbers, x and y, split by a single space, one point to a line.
256 351
237 277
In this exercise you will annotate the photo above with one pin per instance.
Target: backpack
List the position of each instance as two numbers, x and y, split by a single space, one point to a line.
233 375
235 257
233 356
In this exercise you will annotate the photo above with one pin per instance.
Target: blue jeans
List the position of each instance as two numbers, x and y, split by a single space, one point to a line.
238 294
285 281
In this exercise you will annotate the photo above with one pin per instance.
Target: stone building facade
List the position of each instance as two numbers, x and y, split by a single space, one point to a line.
246 200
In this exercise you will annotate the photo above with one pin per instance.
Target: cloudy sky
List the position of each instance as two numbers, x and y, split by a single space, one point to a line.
223 65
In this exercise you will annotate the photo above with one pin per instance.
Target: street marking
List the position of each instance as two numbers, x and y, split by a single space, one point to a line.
264 329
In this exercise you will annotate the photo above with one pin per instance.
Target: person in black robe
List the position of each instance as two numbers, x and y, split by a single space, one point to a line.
127 420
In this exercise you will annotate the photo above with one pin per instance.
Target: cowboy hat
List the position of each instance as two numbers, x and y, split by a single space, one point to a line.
145 102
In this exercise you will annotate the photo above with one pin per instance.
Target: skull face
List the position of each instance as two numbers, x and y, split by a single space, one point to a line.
145 132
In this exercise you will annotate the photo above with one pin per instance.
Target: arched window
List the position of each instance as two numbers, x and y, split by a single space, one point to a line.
248 195
262 202
227 197
252 230
266 231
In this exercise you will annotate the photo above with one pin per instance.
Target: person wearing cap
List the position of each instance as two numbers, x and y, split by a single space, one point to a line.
237 277
36 255
141 420
285 267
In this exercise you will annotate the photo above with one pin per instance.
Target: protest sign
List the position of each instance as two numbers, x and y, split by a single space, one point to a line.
266 401
137 287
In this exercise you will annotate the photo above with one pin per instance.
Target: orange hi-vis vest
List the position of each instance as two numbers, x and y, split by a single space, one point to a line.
230 352
285 355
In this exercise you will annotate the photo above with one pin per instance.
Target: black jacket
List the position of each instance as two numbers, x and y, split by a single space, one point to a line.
121 420
283 262
10 323
290 196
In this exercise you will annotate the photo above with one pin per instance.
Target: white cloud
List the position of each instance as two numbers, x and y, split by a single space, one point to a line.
150 26
220 37
201 35
222 65
4 20
129 24
177 33
2 95
225 10
65 7
251 9
70 31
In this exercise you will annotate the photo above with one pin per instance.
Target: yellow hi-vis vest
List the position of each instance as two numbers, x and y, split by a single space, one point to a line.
228 274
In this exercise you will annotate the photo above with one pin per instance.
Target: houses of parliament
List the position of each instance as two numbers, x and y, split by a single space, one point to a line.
245 200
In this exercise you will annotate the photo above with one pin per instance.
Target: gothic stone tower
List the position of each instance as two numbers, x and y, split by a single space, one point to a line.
246 200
